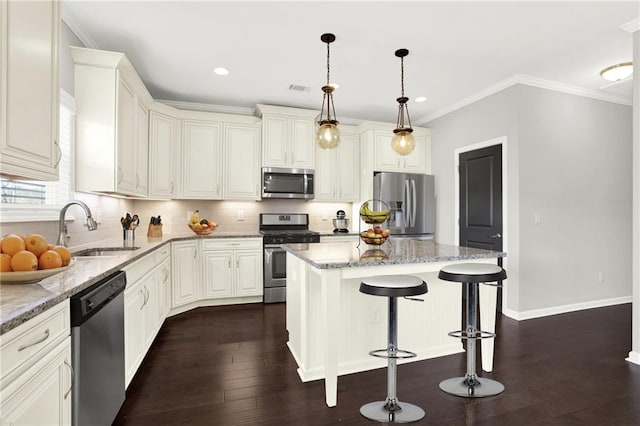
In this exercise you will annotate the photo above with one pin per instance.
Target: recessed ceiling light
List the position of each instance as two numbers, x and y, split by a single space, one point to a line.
617 72
420 99
221 71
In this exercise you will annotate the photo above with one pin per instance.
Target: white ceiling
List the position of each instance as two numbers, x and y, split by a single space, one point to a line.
458 50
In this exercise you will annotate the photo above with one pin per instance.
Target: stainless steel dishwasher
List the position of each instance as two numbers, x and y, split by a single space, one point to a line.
97 351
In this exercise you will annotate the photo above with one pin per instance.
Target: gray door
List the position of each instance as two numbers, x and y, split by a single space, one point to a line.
481 201
481 198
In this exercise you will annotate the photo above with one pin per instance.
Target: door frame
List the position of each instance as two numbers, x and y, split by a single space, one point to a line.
502 140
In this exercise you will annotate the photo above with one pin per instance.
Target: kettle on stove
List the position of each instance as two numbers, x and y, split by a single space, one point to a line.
341 223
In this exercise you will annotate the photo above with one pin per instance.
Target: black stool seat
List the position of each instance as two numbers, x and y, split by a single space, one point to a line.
472 273
393 286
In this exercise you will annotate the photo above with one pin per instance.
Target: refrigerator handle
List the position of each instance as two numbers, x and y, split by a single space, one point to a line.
413 202
407 205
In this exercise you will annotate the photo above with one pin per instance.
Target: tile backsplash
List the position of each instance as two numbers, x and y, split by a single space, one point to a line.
233 216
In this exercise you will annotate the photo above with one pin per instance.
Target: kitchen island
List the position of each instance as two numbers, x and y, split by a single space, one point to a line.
332 326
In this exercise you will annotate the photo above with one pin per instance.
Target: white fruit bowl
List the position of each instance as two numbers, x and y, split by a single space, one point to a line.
30 277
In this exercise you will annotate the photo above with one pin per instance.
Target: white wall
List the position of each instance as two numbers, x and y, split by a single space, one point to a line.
569 158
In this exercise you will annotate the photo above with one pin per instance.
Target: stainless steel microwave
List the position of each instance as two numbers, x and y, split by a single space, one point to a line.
280 182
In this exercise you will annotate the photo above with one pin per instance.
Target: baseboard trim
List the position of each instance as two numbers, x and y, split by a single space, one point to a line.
634 357
563 309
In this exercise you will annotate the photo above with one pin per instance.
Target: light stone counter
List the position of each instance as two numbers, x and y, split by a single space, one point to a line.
21 302
332 326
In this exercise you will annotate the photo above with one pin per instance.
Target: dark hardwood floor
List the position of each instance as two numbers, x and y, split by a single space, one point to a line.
231 366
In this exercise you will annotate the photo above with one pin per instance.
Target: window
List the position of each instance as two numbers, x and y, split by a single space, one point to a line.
24 200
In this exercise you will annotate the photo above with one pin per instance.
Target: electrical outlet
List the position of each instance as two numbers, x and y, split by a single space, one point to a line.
537 218
325 215
601 277
240 215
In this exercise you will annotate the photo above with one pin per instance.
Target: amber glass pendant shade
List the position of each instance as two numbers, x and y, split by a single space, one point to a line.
403 142
328 136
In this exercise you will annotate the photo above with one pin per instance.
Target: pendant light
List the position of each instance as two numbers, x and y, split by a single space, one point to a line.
402 141
328 136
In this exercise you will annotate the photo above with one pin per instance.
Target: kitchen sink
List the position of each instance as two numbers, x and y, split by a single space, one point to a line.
103 251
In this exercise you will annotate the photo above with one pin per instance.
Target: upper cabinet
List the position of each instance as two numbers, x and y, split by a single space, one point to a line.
377 151
112 124
288 136
164 144
337 174
220 156
29 88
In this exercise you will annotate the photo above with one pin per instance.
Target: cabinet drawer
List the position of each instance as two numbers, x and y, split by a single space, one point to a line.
136 270
161 254
27 343
232 243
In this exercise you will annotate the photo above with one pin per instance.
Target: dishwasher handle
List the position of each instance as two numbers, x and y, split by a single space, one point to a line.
90 301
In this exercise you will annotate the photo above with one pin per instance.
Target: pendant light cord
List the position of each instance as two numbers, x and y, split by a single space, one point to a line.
402 76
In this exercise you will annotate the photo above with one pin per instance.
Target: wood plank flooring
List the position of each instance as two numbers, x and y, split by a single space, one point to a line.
230 366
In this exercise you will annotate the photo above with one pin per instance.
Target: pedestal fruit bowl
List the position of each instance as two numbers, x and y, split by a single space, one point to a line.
374 213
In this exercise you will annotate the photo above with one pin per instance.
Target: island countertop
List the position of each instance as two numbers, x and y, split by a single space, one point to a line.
395 251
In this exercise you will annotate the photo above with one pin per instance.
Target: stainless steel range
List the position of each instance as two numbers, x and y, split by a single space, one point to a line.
278 229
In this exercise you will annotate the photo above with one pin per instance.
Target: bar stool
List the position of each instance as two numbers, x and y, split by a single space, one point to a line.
470 274
392 286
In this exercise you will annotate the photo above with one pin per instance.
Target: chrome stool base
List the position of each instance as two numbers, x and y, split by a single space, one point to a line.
404 412
459 386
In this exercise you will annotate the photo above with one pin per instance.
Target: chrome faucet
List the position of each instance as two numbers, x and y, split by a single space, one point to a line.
91 224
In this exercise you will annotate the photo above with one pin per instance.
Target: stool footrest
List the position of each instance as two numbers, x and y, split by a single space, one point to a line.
462 334
400 354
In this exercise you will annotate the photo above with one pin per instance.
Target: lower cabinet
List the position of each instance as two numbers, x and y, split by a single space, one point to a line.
36 370
216 268
146 306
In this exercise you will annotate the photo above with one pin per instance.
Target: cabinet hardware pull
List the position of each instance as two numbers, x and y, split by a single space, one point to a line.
172 187
55 166
237 263
195 252
229 263
73 378
42 339
120 175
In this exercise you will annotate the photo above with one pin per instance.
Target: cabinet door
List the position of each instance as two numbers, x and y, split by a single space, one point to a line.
302 143
162 155
275 139
142 150
29 89
417 161
134 339
242 162
150 308
385 158
185 272
248 273
201 160
348 168
126 135
325 178
164 290
40 396
217 274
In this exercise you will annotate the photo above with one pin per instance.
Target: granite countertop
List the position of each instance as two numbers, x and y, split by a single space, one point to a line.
21 302
395 251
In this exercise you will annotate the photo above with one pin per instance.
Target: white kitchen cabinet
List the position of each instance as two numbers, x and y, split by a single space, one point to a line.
164 289
386 159
185 270
29 89
201 160
241 174
232 267
337 175
36 370
217 274
164 143
288 137
145 306
112 124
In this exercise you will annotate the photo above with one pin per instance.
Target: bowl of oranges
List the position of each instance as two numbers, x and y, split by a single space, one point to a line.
25 260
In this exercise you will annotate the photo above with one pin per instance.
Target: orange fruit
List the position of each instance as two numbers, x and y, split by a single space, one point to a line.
1 244
24 261
12 244
49 260
5 262
50 246
36 244
64 253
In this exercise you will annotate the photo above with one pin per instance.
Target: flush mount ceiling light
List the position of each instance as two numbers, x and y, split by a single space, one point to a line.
328 136
402 141
617 72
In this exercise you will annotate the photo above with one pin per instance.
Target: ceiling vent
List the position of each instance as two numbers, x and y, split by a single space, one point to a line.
299 88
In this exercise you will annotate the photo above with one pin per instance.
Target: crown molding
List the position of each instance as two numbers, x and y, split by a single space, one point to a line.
632 26
527 81
223 109
76 28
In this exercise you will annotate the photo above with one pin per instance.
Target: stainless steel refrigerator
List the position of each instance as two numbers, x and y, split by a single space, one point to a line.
411 199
